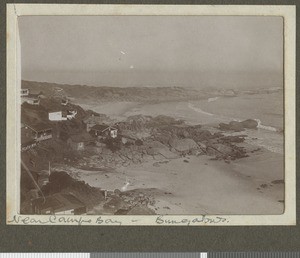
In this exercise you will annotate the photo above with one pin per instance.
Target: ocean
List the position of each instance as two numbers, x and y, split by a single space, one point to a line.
266 109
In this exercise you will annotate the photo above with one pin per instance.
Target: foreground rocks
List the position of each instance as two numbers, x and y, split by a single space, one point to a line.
239 126
184 145
163 141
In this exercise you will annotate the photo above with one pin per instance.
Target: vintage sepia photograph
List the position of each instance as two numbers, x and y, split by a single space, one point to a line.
151 115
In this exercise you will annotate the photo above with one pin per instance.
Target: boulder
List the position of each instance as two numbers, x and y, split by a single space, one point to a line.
157 149
239 126
250 124
223 149
230 139
233 126
184 145
203 135
168 154
236 126
224 127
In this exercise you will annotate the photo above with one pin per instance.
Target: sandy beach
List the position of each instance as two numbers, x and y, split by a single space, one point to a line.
199 185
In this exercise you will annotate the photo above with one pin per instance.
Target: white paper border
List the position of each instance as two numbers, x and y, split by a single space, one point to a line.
13 113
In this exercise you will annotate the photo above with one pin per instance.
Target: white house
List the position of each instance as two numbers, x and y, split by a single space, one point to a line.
31 100
62 115
56 116
104 131
38 132
71 114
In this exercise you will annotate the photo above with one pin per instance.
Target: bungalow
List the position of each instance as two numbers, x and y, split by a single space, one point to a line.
59 204
32 100
92 120
62 115
64 102
38 132
56 116
104 131
24 92
78 142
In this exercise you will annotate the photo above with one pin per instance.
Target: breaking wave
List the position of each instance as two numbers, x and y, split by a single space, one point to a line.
212 99
260 125
199 110
265 127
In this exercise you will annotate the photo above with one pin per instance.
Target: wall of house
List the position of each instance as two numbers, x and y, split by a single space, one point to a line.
29 146
80 146
55 116
113 133
31 101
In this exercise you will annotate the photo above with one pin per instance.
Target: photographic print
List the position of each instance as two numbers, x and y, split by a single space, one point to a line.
162 118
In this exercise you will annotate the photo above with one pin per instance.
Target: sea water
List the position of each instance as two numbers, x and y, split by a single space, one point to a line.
266 109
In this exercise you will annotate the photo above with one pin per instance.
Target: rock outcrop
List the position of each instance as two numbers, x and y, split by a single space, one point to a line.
239 126
184 145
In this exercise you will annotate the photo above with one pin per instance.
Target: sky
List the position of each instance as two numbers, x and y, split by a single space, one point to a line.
186 51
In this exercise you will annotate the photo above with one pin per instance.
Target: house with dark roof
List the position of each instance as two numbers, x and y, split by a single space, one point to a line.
92 120
80 141
59 204
38 131
30 98
104 131
24 92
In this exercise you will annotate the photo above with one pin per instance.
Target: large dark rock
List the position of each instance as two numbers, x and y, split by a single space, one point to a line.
250 124
239 126
236 126
184 145
157 148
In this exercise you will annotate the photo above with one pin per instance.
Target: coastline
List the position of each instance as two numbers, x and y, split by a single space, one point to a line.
200 185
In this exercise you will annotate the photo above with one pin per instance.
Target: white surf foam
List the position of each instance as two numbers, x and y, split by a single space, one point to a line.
265 127
199 110
212 99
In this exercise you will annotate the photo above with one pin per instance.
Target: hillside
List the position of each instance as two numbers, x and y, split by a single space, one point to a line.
108 94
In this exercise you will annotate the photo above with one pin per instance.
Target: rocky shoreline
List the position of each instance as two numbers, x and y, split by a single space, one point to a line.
141 139
164 141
